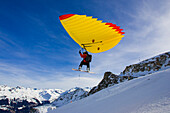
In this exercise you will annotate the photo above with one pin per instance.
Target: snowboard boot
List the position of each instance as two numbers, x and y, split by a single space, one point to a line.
79 68
88 69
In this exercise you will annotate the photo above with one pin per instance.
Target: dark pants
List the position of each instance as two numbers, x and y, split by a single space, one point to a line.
84 63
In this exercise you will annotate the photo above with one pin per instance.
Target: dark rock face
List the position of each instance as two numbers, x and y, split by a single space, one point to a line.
4 102
16 105
108 80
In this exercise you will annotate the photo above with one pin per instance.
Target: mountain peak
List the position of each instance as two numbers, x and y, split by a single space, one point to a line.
151 65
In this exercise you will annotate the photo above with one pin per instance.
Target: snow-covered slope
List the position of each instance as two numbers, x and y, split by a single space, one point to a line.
147 94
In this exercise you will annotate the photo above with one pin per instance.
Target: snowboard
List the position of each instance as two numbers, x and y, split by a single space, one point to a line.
82 70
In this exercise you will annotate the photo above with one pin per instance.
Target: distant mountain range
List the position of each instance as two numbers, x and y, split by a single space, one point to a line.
22 99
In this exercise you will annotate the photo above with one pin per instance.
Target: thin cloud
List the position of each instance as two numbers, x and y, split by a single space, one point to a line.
14 76
146 36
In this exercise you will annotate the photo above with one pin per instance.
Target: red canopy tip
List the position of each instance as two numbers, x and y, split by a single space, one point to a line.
122 33
62 17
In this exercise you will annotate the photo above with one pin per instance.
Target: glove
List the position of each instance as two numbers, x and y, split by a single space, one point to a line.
79 51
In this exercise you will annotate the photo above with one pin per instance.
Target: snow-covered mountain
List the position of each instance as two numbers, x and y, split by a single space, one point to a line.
24 99
19 98
29 94
71 95
146 94
152 65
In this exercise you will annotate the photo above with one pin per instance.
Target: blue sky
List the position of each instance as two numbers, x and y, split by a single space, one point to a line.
36 51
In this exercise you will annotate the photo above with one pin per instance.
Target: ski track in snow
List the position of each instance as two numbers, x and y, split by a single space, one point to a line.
147 94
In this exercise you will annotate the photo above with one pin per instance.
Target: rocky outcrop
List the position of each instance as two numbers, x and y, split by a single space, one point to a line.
109 79
148 66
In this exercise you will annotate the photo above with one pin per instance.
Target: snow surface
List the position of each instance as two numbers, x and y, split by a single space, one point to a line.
45 108
147 94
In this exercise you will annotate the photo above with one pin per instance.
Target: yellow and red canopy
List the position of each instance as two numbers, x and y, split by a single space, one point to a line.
91 34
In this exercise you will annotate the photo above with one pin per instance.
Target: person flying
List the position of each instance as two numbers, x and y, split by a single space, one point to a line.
86 60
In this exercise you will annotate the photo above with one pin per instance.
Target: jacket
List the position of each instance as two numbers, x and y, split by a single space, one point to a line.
84 57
